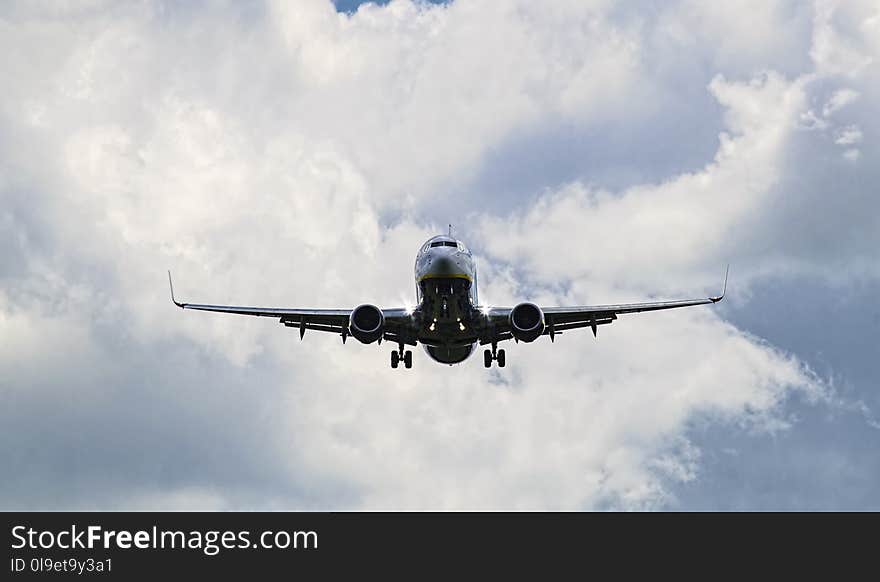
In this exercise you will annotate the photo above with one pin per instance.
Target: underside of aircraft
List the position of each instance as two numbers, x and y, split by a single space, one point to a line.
448 319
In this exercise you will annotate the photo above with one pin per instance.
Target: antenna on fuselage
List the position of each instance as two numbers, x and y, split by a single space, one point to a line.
450 231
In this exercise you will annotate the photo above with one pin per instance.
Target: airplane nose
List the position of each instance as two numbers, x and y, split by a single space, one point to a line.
445 266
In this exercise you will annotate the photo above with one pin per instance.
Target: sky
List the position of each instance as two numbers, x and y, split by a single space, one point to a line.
298 153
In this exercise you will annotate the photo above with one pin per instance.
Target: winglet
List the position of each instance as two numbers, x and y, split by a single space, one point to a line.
171 285
724 289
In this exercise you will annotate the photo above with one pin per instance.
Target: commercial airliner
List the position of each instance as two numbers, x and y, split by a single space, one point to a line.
448 319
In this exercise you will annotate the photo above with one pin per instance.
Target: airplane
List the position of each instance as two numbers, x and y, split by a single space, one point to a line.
448 319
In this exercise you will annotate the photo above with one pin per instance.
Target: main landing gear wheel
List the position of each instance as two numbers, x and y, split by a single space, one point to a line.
398 356
498 356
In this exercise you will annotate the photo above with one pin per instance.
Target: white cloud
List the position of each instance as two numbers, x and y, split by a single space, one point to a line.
259 155
664 231
849 135
841 98
841 38
743 37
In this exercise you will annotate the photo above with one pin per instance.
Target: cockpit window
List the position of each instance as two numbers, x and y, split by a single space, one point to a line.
444 243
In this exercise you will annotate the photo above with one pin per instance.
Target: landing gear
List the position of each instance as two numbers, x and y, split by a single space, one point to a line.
494 354
401 355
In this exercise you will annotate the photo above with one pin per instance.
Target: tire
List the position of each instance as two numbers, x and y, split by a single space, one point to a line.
501 358
407 359
487 358
395 359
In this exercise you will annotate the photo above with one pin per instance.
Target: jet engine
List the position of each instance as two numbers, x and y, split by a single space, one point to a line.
366 323
526 322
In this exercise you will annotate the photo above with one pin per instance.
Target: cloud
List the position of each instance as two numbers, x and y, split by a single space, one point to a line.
287 154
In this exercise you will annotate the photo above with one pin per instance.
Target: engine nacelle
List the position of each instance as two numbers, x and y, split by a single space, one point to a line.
366 323
526 322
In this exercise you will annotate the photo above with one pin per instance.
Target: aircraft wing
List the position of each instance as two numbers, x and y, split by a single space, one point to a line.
558 319
397 320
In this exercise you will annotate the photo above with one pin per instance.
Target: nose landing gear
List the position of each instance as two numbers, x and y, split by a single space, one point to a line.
494 354
401 355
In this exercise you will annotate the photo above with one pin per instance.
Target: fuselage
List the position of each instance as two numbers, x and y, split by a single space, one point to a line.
446 296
